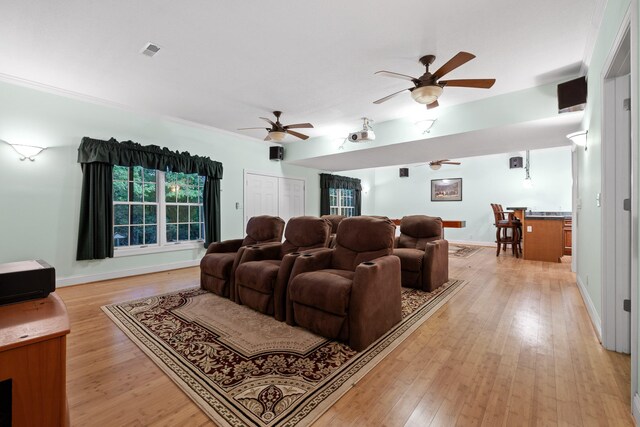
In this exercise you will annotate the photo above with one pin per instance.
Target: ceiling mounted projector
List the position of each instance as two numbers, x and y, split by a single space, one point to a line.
366 134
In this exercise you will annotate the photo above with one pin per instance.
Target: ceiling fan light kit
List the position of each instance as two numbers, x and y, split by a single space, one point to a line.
426 94
277 136
435 166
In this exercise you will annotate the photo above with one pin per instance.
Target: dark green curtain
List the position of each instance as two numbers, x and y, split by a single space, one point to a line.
328 181
93 243
95 233
211 210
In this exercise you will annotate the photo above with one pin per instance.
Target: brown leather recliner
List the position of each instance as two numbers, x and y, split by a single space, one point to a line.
351 292
262 275
423 252
335 221
219 262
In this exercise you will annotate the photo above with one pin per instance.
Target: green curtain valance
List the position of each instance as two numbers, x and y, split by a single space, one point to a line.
337 181
129 153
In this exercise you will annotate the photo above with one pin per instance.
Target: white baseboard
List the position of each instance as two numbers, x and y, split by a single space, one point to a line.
635 408
591 309
76 280
472 242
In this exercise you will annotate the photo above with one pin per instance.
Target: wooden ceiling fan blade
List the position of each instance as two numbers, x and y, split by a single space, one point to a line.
296 134
459 59
434 104
446 162
395 75
386 98
475 83
299 126
251 128
269 121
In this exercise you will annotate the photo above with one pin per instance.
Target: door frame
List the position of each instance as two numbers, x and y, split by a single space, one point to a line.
608 288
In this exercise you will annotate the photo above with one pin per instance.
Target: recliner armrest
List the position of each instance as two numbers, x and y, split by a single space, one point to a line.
311 260
435 265
282 284
376 300
225 246
261 252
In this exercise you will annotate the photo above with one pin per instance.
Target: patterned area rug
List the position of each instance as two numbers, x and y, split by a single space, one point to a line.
463 251
245 368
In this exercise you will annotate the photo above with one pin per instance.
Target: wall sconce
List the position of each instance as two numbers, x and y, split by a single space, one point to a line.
425 125
528 183
27 151
579 138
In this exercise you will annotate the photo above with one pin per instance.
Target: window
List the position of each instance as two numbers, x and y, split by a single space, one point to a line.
341 202
153 209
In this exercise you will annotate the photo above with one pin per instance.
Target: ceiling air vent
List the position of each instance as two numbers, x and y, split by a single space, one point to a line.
150 49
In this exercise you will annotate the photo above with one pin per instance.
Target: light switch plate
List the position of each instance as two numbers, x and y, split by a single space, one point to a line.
529 228
598 196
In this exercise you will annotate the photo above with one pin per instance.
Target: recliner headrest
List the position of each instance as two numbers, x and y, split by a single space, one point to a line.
264 227
421 226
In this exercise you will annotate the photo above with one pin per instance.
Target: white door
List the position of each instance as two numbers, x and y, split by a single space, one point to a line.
272 195
291 198
261 196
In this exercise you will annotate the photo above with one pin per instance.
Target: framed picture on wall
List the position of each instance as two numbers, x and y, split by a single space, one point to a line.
446 190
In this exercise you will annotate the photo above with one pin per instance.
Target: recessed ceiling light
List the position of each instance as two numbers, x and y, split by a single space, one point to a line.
150 49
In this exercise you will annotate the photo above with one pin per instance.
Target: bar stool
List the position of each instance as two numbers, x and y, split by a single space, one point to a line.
508 230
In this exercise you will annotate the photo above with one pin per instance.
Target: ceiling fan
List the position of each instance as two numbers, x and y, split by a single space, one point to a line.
428 87
437 164
278 131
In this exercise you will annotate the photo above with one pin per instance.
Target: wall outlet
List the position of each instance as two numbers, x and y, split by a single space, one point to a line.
529 228
237 205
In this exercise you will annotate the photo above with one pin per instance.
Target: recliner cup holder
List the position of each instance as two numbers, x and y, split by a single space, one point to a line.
368 263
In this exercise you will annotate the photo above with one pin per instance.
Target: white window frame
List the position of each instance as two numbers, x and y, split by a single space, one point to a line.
340 207
161 213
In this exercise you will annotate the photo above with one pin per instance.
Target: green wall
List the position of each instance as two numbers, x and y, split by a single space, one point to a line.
485 180
40 200
589 215
589 225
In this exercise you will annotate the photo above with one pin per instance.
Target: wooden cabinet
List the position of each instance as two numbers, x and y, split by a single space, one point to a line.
33 356
566 233
545 240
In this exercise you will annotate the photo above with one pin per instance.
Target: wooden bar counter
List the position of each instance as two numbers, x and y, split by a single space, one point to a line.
33 356
543 234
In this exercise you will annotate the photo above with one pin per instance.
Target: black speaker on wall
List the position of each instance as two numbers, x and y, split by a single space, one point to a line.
572 95
515 162
276 153
404 172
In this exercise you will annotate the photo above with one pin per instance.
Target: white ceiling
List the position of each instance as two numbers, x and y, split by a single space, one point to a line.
223 64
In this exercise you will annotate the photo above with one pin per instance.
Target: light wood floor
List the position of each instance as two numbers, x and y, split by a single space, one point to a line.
514 347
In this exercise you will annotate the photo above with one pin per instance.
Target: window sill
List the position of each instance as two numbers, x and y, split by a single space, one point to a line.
157 249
